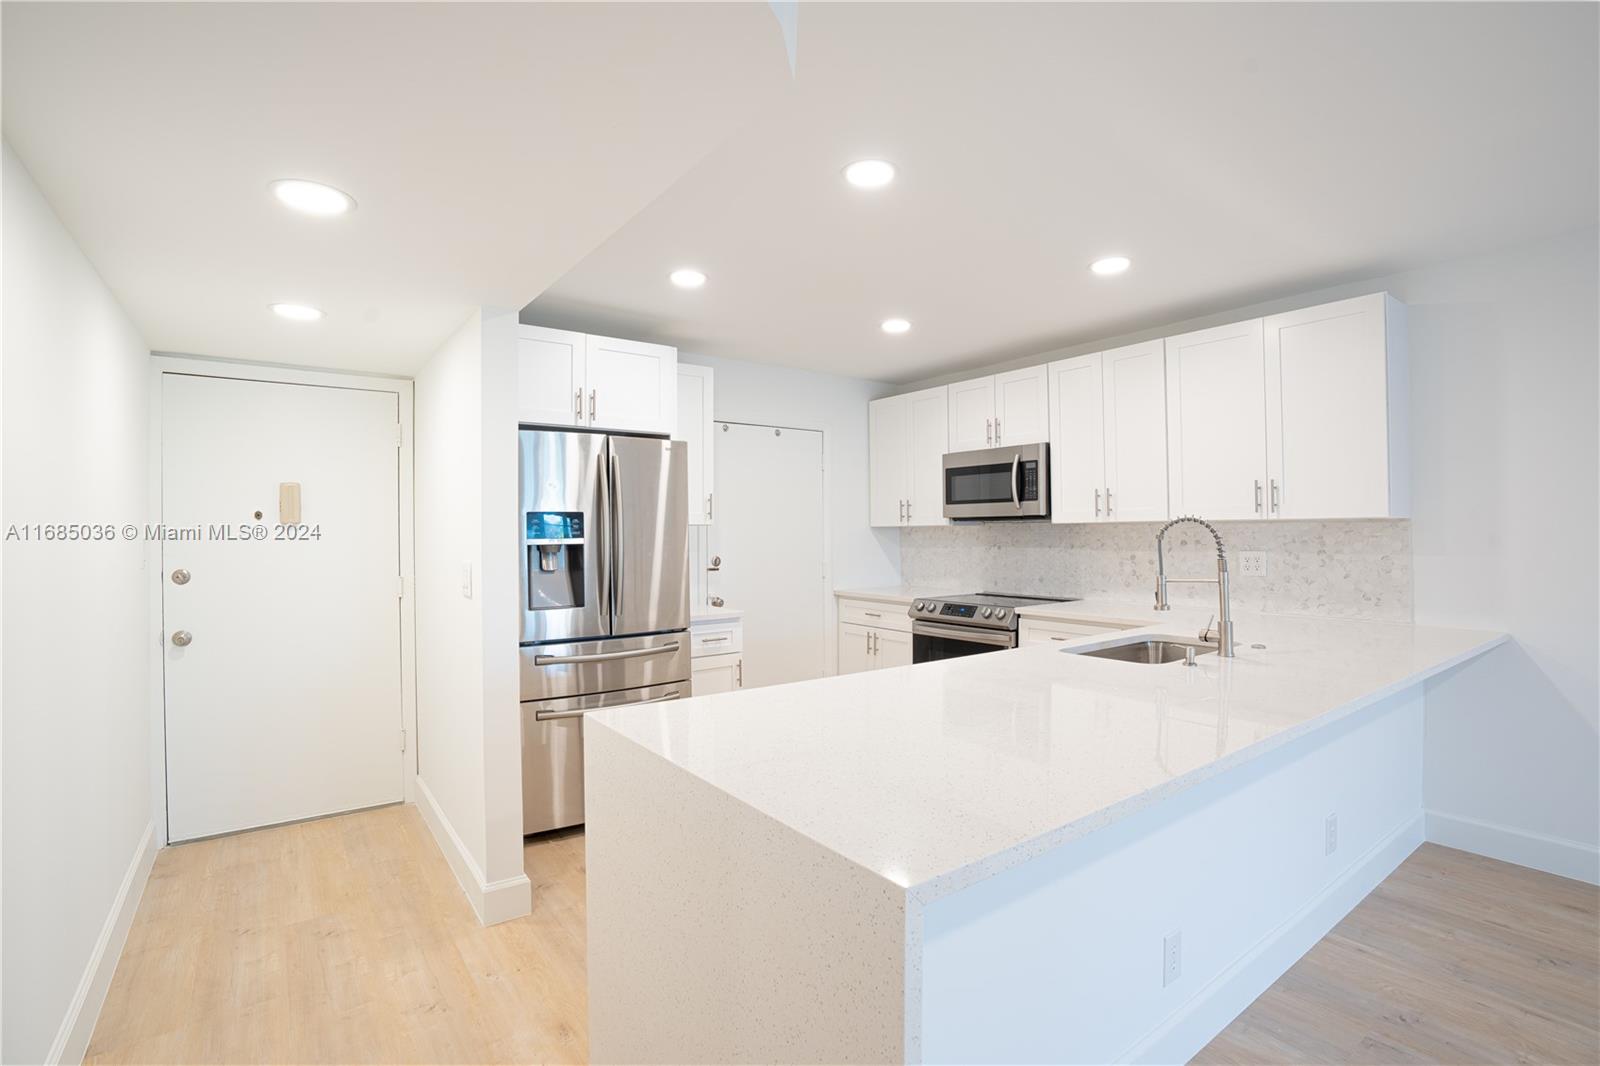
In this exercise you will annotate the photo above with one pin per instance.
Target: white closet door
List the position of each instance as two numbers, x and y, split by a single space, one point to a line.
1077 440
1136 432
694 429
1217 422
1022 406
972 415
770 536
550 377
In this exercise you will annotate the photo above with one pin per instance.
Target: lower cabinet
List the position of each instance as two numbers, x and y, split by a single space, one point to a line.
1043 631
717 673
871 648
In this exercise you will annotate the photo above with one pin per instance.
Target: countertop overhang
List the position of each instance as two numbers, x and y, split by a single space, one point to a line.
940 774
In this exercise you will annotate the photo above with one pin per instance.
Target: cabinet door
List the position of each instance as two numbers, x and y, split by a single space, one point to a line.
1135 380
632 386
888 458
855 648
1022 406
929 424
890 648
550 377
694 429
972 415
1217 422
715 673
1328 446
1077 440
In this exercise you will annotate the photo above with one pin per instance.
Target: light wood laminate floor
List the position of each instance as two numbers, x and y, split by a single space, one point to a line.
347 940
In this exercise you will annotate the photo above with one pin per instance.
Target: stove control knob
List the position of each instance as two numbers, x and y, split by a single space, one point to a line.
987 612
1001 613
917 606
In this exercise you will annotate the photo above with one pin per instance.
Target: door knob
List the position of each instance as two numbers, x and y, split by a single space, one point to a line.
182 638
180 576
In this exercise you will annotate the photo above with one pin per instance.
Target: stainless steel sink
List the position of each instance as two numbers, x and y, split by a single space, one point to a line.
1152 651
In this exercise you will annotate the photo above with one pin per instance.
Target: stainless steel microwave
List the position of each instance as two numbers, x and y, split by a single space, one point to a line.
998 483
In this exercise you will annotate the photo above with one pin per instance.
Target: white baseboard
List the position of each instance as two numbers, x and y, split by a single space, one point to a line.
492 902
1565 858
1193 1025
72 1039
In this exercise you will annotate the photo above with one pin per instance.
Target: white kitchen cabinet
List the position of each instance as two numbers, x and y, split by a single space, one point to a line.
717 673
1135 414
1055 630
1008 408
855 648
1022 406
1077 440
1337 385
550 387
1108 436
907 439
1217 422
890 647
633 386
695 393
574 379
972 414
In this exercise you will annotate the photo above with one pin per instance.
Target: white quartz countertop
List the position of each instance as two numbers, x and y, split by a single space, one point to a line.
706 613
940 774
900 594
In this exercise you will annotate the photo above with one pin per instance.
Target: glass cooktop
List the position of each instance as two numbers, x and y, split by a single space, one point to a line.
1001 599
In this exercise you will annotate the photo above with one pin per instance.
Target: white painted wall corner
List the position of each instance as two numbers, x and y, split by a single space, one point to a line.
492 901
1564 858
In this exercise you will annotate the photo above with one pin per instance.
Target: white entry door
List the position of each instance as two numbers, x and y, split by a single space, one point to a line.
769 535
282 671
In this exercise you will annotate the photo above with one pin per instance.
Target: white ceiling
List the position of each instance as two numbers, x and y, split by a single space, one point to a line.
1236 153
490 147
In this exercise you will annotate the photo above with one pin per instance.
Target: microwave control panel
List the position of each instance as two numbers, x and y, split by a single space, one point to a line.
1030 481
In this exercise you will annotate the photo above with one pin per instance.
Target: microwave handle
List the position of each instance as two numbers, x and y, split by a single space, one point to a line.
1016 495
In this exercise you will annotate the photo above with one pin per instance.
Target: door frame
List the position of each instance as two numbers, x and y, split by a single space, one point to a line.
162 364
830 640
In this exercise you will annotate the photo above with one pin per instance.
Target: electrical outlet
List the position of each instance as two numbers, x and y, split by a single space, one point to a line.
1330 835
466 580
1253 564
1172 958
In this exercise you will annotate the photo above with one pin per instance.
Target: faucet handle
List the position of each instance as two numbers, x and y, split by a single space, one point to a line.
1205 633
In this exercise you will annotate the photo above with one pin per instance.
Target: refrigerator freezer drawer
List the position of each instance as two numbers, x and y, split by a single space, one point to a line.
552 752
554 671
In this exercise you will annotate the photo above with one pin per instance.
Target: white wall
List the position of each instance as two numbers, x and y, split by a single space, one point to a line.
1505 474
780 396
77 830
469 751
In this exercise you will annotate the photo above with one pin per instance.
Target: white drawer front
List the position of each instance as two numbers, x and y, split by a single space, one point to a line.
1035 631
716 638
893 616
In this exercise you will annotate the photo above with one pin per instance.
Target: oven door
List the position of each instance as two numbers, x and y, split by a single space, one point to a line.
933 641
998 483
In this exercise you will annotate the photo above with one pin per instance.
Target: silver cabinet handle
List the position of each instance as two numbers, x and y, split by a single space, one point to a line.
988 431
708 506
902 511
1016 496
908 510
1258 496
997 431
714 640
1108 503
1097 503
1058 638
577 407
182 638
604 656
869 641
591 405
1274 495
872 614
874 642
738 674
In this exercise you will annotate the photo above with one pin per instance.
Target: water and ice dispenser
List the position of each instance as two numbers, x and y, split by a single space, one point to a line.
555 547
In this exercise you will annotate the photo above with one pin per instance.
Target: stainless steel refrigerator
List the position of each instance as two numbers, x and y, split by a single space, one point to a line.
605 597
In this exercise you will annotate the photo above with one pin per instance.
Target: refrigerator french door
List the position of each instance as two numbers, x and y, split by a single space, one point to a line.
605 597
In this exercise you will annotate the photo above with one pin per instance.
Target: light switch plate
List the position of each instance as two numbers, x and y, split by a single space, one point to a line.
1253 564
466 580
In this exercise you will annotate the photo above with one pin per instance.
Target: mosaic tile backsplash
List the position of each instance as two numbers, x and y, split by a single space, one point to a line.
1338 569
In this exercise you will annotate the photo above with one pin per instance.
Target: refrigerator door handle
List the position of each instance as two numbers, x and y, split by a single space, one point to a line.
604 556
605 656
615 488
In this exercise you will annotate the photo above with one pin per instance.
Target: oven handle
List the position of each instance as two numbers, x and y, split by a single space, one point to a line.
1000 638
1016 495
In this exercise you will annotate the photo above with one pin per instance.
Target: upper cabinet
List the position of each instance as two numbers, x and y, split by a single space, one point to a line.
1009 408
576 379
1217 422
907 440
1337 385
694 429
1108 435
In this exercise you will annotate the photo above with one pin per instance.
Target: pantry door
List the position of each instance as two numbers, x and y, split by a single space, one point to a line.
281 631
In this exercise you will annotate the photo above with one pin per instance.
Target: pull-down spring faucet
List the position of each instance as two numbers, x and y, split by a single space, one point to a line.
1224 637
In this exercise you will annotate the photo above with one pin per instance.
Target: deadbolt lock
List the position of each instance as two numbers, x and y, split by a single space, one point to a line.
182 638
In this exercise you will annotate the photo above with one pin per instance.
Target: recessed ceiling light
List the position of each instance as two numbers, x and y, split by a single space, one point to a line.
297 312
312 197
687 278
1111 264
869 173
895 325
